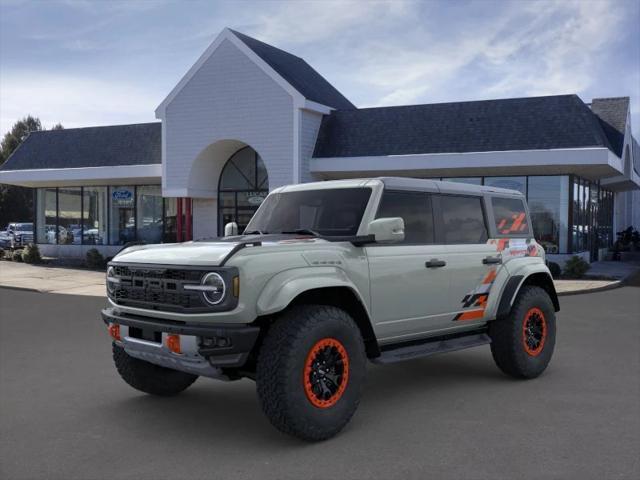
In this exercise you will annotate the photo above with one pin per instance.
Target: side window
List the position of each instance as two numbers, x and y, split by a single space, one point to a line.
415 209
462 219
510 216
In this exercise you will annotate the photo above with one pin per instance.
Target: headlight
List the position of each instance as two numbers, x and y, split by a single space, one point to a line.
112 280
212 288
215 288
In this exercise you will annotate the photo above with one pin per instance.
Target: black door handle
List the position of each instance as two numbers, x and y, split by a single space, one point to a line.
435 263
491 260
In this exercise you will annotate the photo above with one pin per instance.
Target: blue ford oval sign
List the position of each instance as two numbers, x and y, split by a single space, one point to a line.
122 197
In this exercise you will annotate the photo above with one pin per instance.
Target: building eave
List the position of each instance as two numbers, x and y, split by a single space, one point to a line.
594 163
58 177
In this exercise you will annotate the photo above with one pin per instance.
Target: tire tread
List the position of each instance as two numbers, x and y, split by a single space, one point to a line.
276 365
150 378
506 340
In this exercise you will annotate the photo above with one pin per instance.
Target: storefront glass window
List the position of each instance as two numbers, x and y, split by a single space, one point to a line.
69 216
170 220
226 210
549 207
512 183
94 215
244 185
149 214
46 215
605 219
122 222
575 206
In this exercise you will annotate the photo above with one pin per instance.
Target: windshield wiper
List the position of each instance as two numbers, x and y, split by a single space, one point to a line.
254 232
304 231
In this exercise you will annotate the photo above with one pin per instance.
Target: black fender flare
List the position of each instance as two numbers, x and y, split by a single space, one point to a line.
515 283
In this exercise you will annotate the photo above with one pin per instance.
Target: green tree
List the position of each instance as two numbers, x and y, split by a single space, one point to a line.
16 203
14 137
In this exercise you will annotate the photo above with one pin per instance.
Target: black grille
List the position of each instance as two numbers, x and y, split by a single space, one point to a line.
159 273
158 288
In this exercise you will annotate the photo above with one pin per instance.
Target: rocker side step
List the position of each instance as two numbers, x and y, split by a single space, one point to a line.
431 346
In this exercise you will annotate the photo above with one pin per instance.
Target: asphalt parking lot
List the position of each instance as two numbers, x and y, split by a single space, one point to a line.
65 414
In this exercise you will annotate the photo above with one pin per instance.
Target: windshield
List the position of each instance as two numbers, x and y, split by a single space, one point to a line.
24 227
330 212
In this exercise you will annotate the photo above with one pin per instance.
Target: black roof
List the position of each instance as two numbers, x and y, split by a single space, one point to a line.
298 73
534 123
137 144
612 114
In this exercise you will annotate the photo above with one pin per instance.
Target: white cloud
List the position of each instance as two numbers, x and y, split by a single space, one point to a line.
375 52
531 48
314 21
554 56
73 101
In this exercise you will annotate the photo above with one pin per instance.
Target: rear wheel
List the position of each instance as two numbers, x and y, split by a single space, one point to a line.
522 344
150 378
311 370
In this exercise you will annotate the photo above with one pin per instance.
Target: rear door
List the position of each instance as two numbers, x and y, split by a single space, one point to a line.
408 296
462 229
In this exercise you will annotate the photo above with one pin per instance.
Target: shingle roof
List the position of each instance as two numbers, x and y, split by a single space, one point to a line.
534 123
612 113
298 73
137 144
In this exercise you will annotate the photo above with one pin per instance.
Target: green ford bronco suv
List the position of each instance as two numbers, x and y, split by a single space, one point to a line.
325 277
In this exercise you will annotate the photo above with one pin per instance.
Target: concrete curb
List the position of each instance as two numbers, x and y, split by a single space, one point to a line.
611 286
24 289
52 292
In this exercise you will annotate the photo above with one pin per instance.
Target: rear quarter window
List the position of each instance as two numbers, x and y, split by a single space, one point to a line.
510 216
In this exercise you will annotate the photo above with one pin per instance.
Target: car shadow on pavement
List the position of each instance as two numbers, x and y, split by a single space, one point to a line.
232 410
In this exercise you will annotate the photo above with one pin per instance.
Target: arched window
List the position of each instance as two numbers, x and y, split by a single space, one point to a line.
243 186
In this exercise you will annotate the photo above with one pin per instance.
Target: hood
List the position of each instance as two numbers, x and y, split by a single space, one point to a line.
209 253
202 252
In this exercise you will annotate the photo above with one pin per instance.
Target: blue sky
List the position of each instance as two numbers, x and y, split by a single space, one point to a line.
82 62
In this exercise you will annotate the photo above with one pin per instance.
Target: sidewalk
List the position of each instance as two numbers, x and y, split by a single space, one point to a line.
75 281
616 272
52 279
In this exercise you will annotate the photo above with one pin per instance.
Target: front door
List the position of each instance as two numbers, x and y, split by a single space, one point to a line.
408 285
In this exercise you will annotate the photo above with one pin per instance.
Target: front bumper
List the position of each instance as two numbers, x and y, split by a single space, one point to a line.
205 348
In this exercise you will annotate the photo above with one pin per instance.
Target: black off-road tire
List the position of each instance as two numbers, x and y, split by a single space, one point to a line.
300 335
150 378
511 352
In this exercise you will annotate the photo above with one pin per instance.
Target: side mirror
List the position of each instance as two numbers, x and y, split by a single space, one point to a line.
231 229
387 230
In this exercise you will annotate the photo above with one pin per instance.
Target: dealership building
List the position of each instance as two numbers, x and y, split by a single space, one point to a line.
249 117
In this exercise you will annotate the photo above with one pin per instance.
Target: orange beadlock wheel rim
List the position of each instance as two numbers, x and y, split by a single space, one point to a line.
534 331
326 373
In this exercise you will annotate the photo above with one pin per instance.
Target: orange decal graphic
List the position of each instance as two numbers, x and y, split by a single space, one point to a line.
472 315
477 298
491 276
519 224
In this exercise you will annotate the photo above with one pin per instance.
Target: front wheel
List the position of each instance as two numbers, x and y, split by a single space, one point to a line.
310 372
150 378
522 343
